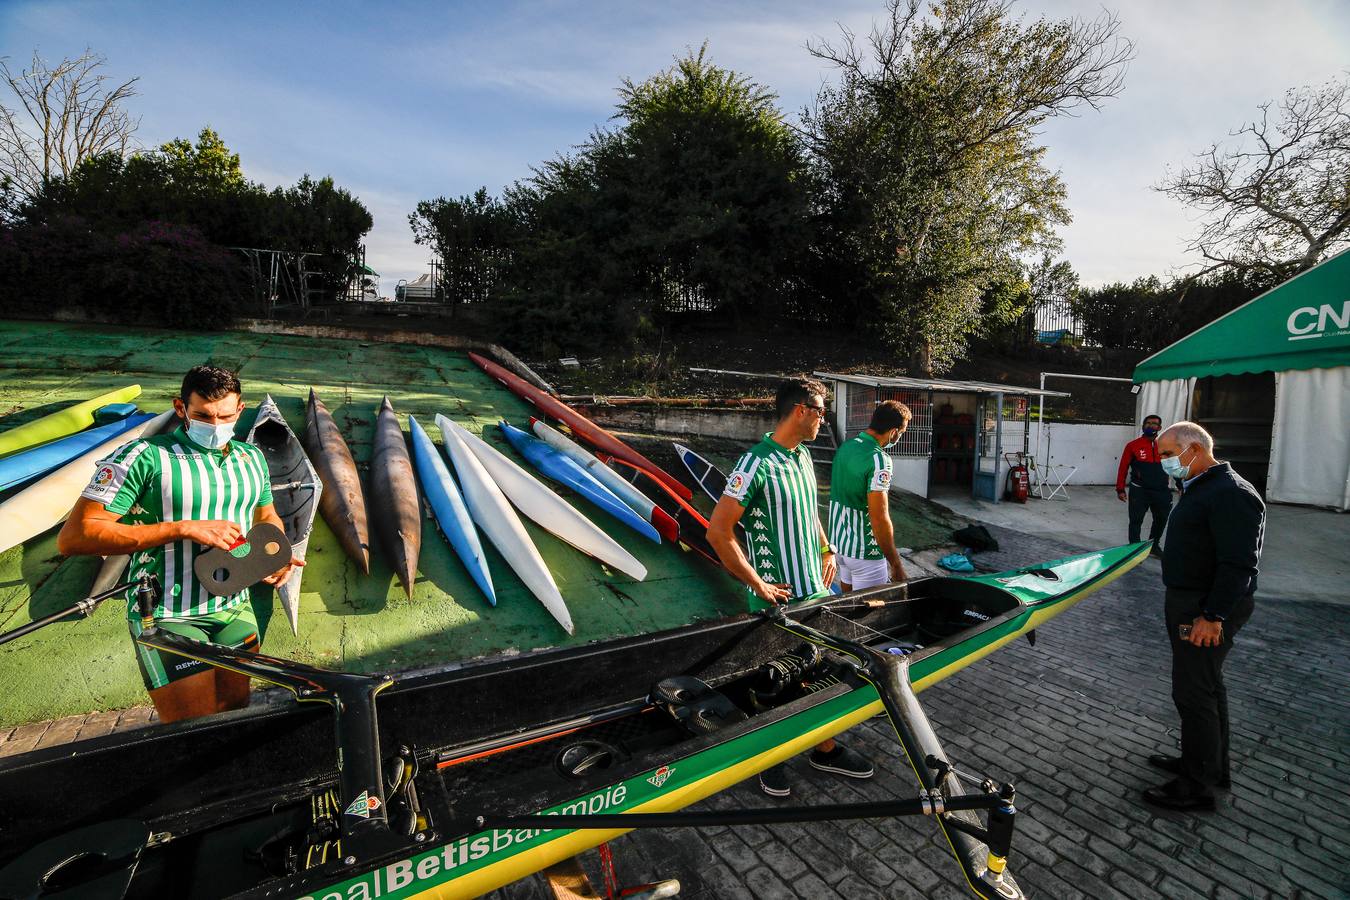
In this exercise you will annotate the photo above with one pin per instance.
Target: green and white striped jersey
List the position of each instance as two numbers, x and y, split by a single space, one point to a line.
860 467
777 487
169 478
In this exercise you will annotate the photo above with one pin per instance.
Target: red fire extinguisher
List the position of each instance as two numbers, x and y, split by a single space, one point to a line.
1019 481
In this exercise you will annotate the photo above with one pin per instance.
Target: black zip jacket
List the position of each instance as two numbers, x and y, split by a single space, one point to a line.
1214 539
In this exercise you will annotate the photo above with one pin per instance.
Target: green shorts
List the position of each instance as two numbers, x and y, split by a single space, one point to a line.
235 627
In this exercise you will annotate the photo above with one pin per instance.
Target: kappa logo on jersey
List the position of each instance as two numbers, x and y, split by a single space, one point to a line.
661 775
363 805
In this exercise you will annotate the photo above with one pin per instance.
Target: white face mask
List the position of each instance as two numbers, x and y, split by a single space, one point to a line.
1173 467
892 442
212 437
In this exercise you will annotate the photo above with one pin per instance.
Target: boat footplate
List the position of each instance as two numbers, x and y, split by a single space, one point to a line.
97 861
696 706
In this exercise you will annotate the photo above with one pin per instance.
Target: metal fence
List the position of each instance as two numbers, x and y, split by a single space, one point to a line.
1049 324
917 441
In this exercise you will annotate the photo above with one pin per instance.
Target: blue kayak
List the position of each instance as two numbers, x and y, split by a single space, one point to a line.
564 470
28 464
448 506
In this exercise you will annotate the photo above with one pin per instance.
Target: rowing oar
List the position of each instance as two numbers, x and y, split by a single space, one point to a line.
83 609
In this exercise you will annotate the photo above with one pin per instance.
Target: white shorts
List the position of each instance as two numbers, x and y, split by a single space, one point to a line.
863 573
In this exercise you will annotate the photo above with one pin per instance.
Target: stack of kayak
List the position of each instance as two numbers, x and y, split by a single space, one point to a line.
45 463
314 472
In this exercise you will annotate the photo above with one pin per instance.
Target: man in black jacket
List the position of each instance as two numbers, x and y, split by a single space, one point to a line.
1209 567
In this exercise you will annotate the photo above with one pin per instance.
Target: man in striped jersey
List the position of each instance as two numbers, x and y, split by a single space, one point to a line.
786 557
860 509
163 500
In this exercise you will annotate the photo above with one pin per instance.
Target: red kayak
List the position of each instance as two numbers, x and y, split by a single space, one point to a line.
581 426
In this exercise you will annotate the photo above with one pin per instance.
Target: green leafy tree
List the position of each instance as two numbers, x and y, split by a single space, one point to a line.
699 193
207 165
927 149
472 236
712 179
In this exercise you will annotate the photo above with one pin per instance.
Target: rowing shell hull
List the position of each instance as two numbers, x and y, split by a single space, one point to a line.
342 503
566 472
550 511
445 716
707 476
581 426
296 490
492 513
33 462
447 505
639 502
40 506
66 421
396 512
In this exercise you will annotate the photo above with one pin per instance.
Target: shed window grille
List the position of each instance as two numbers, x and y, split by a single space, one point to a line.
917 441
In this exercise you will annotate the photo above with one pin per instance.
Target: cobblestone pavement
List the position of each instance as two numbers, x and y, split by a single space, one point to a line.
1071 720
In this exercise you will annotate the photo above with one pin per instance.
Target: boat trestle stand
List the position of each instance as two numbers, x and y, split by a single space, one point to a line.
981 849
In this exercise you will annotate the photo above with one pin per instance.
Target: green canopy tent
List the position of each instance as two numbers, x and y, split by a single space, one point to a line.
1300 332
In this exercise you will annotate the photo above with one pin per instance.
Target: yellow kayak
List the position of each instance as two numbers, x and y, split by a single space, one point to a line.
59 424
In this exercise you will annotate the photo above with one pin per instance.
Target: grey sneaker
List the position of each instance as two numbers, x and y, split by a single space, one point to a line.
774 781
842 761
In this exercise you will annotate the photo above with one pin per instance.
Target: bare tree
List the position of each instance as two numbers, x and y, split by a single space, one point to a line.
64 114
1277 200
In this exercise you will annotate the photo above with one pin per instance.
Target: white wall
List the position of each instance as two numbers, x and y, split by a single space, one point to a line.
1094 449
910 473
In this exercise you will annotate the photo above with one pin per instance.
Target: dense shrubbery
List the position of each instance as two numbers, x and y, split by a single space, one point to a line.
155 273
1147 314
147 237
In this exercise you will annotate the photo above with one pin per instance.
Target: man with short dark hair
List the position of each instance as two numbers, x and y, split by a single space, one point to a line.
1210 563
1150 488
165 499
860 507
786 556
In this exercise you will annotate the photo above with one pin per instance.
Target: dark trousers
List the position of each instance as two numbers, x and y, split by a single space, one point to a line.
1198 689
1143 500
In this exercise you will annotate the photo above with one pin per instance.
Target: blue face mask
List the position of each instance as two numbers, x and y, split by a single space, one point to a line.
1149 431
1173 467
212 437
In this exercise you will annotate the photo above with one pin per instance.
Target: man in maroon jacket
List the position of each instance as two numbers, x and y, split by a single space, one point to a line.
1149 487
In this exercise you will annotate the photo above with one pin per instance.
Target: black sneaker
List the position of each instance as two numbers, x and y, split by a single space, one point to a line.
1172 764
774 781
842 761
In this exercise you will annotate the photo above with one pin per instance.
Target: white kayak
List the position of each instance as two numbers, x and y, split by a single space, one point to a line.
548 510
295 493
494 515
47 502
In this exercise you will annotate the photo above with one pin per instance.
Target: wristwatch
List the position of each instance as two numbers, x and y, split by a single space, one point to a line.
1210 617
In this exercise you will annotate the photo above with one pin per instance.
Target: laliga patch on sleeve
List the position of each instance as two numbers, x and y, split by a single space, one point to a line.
107 481
881 481
737 484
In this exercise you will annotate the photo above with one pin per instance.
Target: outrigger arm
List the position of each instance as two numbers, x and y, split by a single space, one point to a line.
981 850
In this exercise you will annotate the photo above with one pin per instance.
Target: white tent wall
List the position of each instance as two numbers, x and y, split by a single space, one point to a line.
1169 399
1310 446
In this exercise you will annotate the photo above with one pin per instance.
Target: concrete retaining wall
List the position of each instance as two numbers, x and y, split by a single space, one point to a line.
734 424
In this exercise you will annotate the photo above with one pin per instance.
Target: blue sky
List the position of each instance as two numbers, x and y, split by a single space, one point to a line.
407 101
